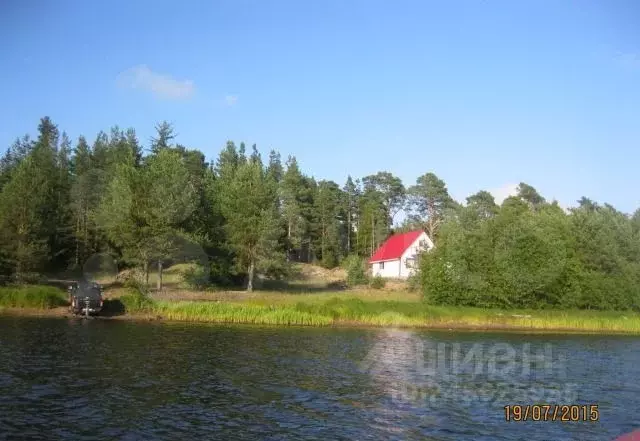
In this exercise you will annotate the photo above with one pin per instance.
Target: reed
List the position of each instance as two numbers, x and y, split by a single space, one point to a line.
355 311
236 313
393 313
32 296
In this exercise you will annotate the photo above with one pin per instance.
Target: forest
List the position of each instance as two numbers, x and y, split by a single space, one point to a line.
245 217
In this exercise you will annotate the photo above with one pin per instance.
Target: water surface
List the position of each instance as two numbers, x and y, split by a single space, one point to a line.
109 379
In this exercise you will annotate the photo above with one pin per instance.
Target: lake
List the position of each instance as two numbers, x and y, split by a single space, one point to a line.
113 379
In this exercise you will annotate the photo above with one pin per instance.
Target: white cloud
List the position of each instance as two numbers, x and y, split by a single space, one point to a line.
160 85
500 194
231 100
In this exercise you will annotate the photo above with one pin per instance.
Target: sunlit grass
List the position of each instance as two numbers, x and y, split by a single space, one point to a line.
385 313
355 311
32 296
236 313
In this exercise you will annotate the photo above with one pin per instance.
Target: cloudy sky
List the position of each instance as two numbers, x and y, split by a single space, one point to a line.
486 94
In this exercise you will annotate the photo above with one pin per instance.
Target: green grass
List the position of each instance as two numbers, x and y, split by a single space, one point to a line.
314 310
34 296
394 313
236 313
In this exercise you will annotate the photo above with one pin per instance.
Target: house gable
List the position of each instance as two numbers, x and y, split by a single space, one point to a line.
397 256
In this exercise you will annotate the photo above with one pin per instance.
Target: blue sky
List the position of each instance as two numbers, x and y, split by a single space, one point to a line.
483 93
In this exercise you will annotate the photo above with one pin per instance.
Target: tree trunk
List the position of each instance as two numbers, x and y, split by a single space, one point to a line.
288 240
146 273
322 247
159 284
349 232
77 242
85 236
373 235
251 273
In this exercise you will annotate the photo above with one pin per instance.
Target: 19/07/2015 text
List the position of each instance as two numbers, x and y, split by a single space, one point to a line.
552 412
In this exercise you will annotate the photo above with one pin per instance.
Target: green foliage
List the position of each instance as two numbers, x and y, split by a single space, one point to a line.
356 270
237 313
251 222
196 277
37 297
62 203
531 254
136 301
327 225
430 201
136 284
377 282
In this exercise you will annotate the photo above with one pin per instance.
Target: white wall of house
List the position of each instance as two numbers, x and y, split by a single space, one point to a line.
408 259
403 268
389 269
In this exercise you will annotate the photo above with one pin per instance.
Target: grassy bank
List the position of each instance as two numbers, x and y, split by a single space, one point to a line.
392 313
359 307
353 311
222 312
34 297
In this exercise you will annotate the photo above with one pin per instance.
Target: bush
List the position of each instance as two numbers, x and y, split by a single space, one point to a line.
136 301
356 272
137 285
377 282
413 282
196 277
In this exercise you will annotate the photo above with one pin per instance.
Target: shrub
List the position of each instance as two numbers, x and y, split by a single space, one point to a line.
137 285
377 282
136 301
413 282
356 272
196 277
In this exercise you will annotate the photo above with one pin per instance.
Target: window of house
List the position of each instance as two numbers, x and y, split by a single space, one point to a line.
381 265
409 262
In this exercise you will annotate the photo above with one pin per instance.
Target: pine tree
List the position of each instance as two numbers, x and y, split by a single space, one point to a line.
275 170
350 200
24 235
84 200
62 241
430 199
329 223
292 190
164 135
250 218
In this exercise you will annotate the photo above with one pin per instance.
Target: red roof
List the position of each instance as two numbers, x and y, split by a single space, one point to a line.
393 247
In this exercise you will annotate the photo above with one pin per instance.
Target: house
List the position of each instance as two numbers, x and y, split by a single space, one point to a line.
396 257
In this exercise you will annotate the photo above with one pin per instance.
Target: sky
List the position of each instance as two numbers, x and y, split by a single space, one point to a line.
485 94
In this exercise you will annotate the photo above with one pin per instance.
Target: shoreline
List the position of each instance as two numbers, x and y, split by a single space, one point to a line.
459 326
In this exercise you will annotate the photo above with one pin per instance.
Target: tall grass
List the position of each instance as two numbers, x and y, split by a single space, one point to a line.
237 313
394 313
355 311
34 296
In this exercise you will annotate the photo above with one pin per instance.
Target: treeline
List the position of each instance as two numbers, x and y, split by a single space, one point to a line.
62 201
242 215
528 253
